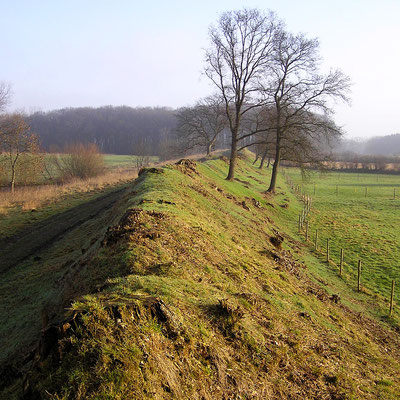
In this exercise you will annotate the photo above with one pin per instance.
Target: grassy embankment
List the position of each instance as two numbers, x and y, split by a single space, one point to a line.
197 299
359 213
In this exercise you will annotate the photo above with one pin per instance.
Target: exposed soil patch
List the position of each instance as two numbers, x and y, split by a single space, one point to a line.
152 170
245 183
186 166
57 341
276 241
132 222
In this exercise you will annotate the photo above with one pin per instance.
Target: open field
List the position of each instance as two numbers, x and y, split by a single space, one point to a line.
127 161
359 213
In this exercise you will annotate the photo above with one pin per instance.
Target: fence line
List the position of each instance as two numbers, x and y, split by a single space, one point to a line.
303 220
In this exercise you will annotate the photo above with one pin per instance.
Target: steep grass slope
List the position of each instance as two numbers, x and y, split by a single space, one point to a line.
196 294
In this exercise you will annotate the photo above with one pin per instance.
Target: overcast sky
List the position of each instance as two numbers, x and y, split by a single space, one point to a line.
68 53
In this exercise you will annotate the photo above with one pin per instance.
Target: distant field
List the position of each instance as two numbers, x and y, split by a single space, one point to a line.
50 172
359 213
124 161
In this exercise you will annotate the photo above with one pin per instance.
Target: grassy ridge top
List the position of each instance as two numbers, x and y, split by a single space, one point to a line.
201 295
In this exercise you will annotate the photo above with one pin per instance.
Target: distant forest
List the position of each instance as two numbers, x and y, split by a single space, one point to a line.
115 130
388 145
149 131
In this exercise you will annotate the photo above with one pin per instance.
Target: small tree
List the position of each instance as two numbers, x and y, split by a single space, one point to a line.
18 145
141 151
199 126
5 95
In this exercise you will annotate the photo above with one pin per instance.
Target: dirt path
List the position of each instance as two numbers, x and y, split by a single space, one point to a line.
40 235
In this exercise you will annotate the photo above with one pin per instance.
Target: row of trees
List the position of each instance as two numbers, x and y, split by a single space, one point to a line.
355 162
270 93
114 130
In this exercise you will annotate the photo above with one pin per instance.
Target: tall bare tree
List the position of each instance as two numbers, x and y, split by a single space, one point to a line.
300 97
199 126
241 48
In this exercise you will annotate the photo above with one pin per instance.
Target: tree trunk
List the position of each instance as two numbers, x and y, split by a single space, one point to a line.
269 162
232 162
257 156
263 159
210 146
209 149
275 167
12 183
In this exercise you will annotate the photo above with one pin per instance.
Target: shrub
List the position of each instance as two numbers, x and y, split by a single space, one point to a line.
80 161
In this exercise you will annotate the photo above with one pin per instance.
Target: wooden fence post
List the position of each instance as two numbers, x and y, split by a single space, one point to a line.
391 299
341 262
327 250
307 231
316 240
299 223
394 194
366 191
359 276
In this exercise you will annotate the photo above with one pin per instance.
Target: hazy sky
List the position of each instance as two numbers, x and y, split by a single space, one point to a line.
68 53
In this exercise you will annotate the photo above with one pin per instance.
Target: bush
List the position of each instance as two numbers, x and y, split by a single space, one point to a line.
80 161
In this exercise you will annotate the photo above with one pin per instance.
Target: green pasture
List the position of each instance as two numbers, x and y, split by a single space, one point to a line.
361 214
124 161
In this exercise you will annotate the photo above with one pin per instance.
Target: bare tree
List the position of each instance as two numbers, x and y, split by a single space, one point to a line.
242 44
199 126
141 153
300 98
18 145
5 95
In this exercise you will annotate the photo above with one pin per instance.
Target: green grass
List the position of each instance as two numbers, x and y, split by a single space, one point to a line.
242 322
358 213
124 161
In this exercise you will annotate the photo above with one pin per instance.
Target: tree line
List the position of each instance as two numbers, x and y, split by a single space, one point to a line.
269 94
115 130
